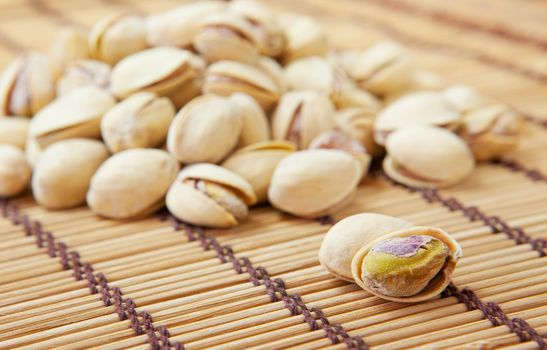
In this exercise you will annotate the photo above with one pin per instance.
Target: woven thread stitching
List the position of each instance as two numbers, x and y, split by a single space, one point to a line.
533 174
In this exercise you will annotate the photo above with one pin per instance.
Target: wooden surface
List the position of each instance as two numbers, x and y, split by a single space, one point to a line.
499 46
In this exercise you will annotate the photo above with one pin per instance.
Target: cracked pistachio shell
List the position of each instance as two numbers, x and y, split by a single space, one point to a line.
14 131
419 108
491 131
15 172
69 45
411 275
305 37
359 123
255 126
26 85
132 183
192 87
274 70
463 98
302 115
220 200
256 163
62 175
77 114
139 121
227 77
83 73
426 156
162 70
309 183
206 130
117 36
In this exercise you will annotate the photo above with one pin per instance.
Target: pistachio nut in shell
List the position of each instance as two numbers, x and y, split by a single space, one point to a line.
14 131
408 265
225 78
314 183
418 108
206 130
274 70
117 36
62 175
69 45
192 87
305 37
77 114
83 73
491 131
302 115
255 126
209 195
349 235
426 156
32 151
256 163
15 172
132 183
358 123
139 121
463 98
26 85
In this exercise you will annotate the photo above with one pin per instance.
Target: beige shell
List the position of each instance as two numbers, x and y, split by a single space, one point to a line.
425 156
14 131
352 96
117 36
349 235
255 126
191 88
77 114
274 70
32 151
314 183
305 37
420 80
62 175
132 183
227 77
302 115
189 204
463 98
26 85
83 73
419 108
206 130
14 171
139 121
256 164
359 124
69 45
435 286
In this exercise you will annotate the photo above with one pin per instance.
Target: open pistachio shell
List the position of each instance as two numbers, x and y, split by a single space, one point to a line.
255 126
209 195
14 131
69 45
83 73
426 156
308 183
132 183
358 123
61 177
435 286
305 38
14 171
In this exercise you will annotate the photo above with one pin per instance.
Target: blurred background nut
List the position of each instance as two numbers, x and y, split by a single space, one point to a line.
305 37
359 123
83 73
14 131
132 183
61 177
14 171
274 70
26 85
255 124
69 45
139 121
256 164
209 195
117 36
463 98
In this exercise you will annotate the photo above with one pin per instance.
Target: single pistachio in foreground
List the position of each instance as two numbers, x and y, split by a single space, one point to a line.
15 172
14 131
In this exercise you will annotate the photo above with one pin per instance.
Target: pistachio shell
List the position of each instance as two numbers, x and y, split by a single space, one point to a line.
359 124
32 151
256 164
352 96
14 171
255 127
77 114
274 70
140 121
83 73
463 98
425 156
69 45
14 131
305 38
308 183
191 88
61 177
132 183
205 130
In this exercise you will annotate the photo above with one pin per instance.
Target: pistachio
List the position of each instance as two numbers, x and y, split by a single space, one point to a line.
69 45
426 156
117 36
132 183
420 80
227 77
359 124
491 131
32 151
302 115
463 98
62 175
255 127
256 164
26 85
352 96
83 73
14 131
305 38
419 108
77 114
139 121
206 130
209 195
308 183
274 70
14 171
191 88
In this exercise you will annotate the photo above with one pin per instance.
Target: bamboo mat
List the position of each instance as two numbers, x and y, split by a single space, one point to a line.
70 280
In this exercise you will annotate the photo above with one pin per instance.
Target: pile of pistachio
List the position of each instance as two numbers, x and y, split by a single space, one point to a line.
254 107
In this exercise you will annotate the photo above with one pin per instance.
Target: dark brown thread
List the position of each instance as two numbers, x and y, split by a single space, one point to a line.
533 174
